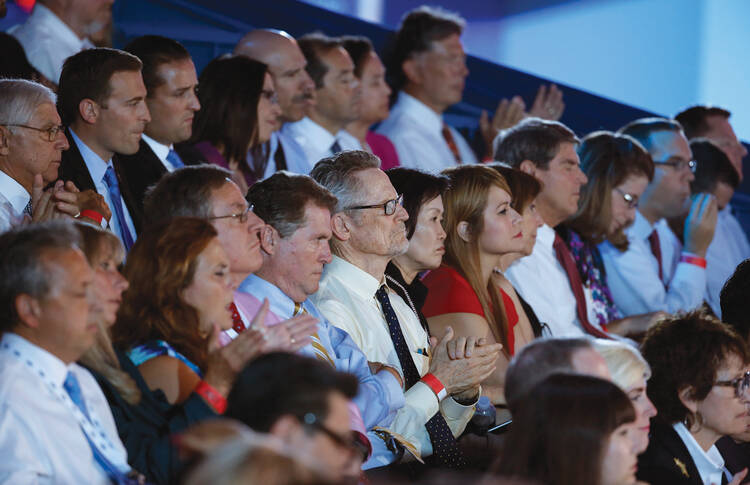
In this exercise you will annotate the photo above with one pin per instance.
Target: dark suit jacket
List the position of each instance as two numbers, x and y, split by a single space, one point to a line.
667 460
142 170
146 428
73 168
736 455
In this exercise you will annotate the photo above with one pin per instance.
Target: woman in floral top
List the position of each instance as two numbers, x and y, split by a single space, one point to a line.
618 169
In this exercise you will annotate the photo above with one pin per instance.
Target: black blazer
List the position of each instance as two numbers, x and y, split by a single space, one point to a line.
73 168
667 460
142 170
146 428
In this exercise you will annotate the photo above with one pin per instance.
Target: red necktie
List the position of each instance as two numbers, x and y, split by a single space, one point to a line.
574 278
653 240
451 143
237 323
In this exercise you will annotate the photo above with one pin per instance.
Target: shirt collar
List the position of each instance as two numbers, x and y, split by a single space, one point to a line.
357 280
422 114
315 134
44 16
279 303
55 369
14 192
93 162
707 462
545 236
417 290
641 228
159 149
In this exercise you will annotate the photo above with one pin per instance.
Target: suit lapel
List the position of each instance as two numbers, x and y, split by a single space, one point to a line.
73 167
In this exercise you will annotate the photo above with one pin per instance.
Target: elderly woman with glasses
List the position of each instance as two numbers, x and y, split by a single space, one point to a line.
618 169
700 385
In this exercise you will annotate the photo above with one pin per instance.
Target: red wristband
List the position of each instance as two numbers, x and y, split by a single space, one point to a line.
698 261
91 214
212 396
437 387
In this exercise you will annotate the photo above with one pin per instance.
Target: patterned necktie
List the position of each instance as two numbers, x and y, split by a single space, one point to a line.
335 147
576 285
237 324
73 389
445 451
113 187
653 241
27 210
279 158
446 131
320 351
174 159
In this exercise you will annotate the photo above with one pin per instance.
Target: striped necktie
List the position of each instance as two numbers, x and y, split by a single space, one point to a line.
320 351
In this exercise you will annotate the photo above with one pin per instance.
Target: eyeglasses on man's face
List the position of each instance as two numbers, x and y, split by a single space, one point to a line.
50 134
348 442
679 164
241 216
389 206
740 384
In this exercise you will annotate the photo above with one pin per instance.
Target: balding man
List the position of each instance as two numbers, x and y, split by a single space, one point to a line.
57 29
286 64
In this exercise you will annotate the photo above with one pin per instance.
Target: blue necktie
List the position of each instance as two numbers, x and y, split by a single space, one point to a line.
445 451
74 391
113 186
335 147
174 159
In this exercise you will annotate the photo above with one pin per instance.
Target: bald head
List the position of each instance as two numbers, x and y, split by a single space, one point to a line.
279 51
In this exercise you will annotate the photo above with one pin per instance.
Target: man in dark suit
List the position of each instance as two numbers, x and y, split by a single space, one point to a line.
102 99
171 82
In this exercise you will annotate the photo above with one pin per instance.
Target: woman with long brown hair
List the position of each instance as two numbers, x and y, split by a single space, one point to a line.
481 226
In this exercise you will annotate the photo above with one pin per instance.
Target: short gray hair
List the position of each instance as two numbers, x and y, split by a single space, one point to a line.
625 364
22 268
336 174
19 99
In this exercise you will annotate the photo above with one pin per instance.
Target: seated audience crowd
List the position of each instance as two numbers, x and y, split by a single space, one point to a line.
299 273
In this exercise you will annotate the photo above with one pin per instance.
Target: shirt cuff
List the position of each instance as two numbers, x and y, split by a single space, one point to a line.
421 397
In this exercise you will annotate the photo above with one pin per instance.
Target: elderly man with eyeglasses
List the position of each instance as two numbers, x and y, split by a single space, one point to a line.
31 146
657 271
368 230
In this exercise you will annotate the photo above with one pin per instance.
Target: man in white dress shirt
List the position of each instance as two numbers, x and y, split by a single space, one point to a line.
57 29
337 100
546 150
368 230
55 424
171 83
103 100
286 63
656 272
428 69
31 146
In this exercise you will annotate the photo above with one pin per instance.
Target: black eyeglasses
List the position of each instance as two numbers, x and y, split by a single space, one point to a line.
389 206
240 216
51 132
740 384
630 199
679 165
349 442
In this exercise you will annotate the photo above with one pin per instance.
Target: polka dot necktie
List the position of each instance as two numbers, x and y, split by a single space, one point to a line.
445 451
237 324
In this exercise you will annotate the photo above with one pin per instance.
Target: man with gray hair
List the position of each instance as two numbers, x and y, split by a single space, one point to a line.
31 146
57 29
55 424
368 230
544 357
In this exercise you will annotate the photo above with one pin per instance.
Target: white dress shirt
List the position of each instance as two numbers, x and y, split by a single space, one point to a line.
97 167
728 248
13 200
316 141
543 283
633 275
41 441
161 151
417 133
346 297
710 463
48 41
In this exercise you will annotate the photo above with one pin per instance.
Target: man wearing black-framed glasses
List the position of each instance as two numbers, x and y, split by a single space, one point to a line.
657 272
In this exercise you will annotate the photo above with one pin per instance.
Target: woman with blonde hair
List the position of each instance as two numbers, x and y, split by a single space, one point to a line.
481 226
630 371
